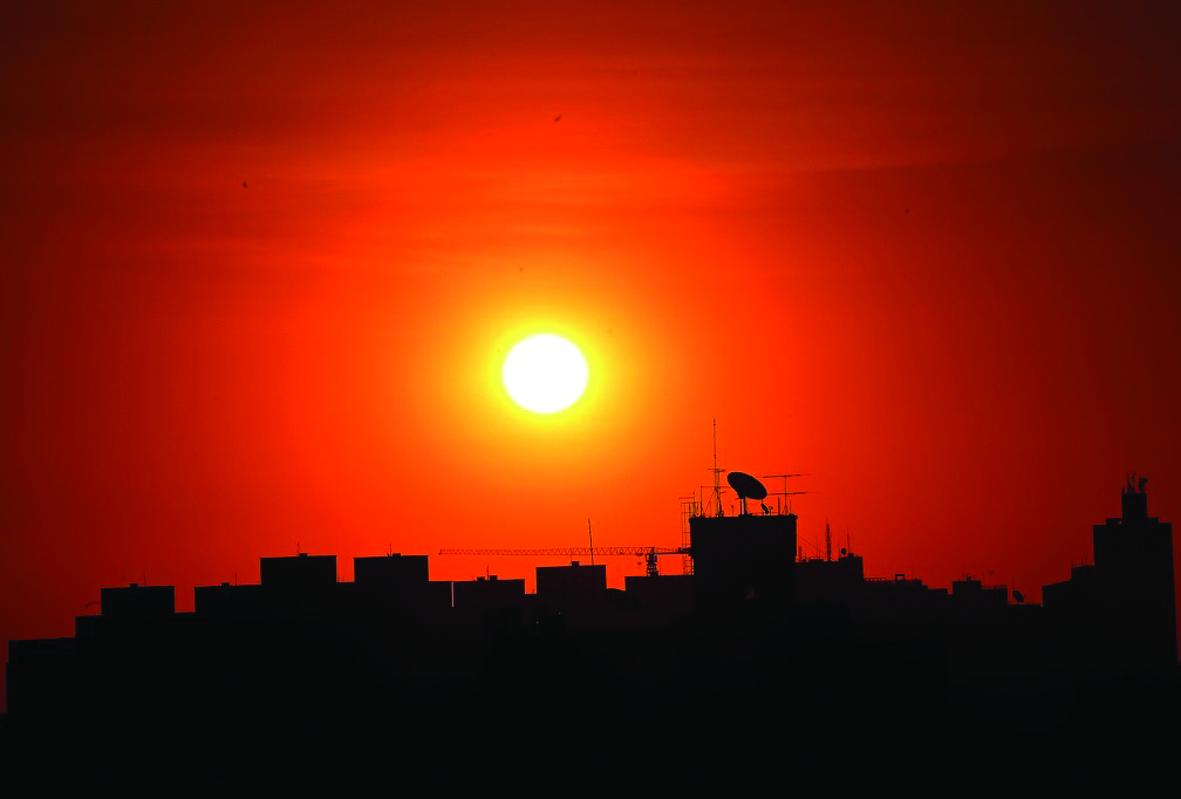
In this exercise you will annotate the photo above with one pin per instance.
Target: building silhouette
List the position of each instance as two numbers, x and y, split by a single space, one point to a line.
1122 609
744 558
752 635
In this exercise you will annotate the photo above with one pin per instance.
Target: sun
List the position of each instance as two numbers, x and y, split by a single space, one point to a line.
545 373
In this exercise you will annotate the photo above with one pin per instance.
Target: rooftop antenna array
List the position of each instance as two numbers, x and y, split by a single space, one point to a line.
785 495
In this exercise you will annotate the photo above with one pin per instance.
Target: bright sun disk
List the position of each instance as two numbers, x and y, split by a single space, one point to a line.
545 373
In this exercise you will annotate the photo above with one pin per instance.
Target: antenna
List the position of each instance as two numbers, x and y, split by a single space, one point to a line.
827 542
590 535
717 474
785 495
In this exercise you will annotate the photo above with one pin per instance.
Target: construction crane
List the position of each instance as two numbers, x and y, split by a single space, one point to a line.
649 554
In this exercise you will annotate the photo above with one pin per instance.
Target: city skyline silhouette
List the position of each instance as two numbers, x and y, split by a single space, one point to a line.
503 284
1113 619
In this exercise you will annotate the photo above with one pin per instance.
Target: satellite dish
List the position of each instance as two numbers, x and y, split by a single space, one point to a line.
1020 597
746 487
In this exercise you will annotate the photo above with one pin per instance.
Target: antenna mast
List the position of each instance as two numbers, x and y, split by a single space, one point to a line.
717 475
590 535
827 542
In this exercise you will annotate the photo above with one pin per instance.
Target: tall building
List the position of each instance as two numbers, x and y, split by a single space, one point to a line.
1134 566
743 558
1123 608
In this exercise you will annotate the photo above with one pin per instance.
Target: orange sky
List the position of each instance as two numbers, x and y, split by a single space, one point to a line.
927 254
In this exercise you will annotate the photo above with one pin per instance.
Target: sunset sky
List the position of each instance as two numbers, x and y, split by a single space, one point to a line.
261 267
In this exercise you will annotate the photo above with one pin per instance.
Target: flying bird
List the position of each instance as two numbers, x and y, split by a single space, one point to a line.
558 118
